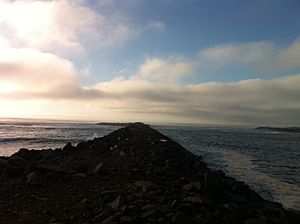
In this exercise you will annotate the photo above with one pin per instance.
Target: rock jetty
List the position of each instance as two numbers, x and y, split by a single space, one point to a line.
133 175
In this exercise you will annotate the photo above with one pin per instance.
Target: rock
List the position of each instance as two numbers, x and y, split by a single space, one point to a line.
261 220
148 214
195 199
97 168
122 154
117 203
194 186
18 161
81 175
109 196
33 179
161 220
199 219
214 183
231 207
146 186
148 207
109 220
3 164
272 212
68 147
181 218
82 145
173 203
125 219
84 201
17 195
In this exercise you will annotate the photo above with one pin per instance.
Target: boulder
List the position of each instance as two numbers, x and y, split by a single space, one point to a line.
181 218
145 186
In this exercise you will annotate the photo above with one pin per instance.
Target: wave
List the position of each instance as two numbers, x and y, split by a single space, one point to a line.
242 167
36 140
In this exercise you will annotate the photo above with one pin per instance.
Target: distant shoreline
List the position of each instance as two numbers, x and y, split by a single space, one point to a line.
288 129
113 123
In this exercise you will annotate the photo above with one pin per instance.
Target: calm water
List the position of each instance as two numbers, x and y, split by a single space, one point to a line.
267 161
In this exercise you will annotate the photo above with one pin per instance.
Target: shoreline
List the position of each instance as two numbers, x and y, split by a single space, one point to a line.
287 129
133 175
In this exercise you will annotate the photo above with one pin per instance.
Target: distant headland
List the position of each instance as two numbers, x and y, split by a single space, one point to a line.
288 129
113 123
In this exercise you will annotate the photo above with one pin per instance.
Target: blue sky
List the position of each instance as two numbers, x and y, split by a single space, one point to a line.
193 25
176 61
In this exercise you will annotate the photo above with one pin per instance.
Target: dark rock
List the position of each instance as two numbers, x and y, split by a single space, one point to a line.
109 220
194 186
125 219
261 220
148 207
148 214
84 201
194 199
33 178
68 147
82 145
145 185
199 219
181 218
81 175
3 164
97 168
117 203
122 153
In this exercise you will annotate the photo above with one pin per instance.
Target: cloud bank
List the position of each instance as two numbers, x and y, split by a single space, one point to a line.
244 102
39 78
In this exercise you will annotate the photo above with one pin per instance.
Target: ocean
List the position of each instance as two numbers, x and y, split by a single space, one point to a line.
268 161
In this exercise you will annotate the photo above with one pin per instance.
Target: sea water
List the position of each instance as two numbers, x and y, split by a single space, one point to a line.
269 162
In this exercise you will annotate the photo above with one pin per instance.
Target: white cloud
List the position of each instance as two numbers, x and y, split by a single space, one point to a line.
157 25
33 71
163 70
262 56
63 26
30 74
237 53
289 57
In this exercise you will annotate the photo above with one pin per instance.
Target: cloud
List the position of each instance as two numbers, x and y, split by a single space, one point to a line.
248 101
157 26
31 74
236 53
289 57
263 56
153 93
163 70
64 27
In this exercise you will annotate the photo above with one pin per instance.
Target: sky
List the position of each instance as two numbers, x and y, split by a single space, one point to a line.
168 61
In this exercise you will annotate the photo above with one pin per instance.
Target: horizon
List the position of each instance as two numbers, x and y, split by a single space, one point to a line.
61 121
169 62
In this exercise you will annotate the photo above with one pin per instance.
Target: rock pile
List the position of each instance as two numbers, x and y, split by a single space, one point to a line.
133 175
